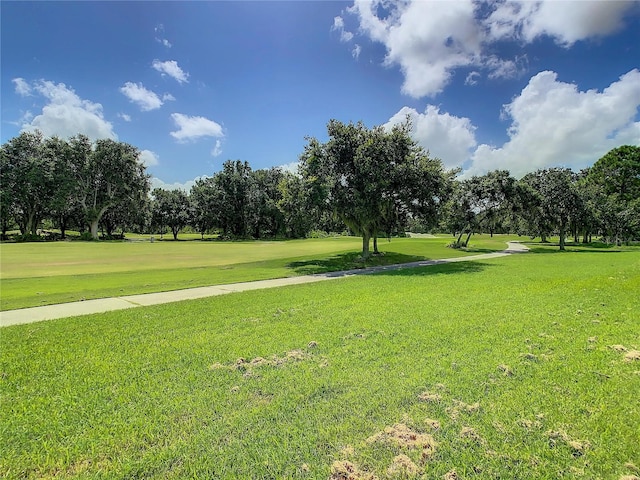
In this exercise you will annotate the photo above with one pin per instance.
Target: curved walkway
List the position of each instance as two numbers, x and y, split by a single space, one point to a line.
72 309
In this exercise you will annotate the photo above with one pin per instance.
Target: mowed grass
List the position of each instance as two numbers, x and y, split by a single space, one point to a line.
35 274
502 369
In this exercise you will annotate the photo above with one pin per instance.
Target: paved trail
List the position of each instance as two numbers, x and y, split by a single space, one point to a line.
52 312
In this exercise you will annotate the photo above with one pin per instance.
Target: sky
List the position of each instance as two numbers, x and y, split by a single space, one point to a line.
487 84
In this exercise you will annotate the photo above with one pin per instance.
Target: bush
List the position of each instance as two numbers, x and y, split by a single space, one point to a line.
28 237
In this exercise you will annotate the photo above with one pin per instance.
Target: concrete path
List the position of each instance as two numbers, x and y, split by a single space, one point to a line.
52 312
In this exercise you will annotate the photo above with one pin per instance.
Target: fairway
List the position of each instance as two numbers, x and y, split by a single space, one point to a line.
517 367
36 274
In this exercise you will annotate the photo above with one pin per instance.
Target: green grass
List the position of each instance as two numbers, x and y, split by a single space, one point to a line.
158 392
36 274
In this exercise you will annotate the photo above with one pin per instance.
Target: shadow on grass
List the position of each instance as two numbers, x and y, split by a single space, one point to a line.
438 269
350 261
570 248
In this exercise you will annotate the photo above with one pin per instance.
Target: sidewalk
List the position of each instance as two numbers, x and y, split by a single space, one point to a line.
52 312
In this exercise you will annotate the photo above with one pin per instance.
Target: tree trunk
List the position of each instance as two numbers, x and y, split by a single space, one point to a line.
175 233
562 237
459 238
466 242
93 227
366 237
375 245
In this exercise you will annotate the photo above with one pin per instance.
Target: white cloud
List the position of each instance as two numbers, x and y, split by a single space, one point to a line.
171 68
217 149
445 136
149 158
472 78
185 187
22 87
167 97
145 99
66 114
164 42
430 40
355 53
553 123
291 167
125 117
192 128
338 25
567 22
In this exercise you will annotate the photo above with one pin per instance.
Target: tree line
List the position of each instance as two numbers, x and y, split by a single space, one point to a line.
370 182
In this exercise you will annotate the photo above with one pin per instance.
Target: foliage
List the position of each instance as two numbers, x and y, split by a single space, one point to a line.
170 208
373 179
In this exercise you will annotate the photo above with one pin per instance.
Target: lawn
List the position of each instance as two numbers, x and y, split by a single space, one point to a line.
516 367
36 274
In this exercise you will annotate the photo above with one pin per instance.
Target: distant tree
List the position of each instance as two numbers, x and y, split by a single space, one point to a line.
262 213
618 172
559 198
28 175
109 176
478 203
614 184
171 208
299 215
63 205
204 204
370 178
232 189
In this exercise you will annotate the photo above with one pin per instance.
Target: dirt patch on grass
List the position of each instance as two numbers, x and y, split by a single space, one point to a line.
244 365
629 477
345 470
433 424
403 466
618 348
506 370
451 475
632 356
400 435
578 447
429 397
461 407
470 434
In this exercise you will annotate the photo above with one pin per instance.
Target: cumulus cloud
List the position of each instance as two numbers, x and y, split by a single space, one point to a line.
185 186
554 123
171 68
566 22
22 87
145 99
291 167
446 136
66 114
193 128
125 117
430 40
149 158
355 53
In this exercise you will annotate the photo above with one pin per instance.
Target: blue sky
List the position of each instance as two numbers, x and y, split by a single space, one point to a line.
514 85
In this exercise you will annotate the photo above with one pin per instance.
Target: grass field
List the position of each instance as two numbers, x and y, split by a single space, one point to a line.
36 274
512 368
